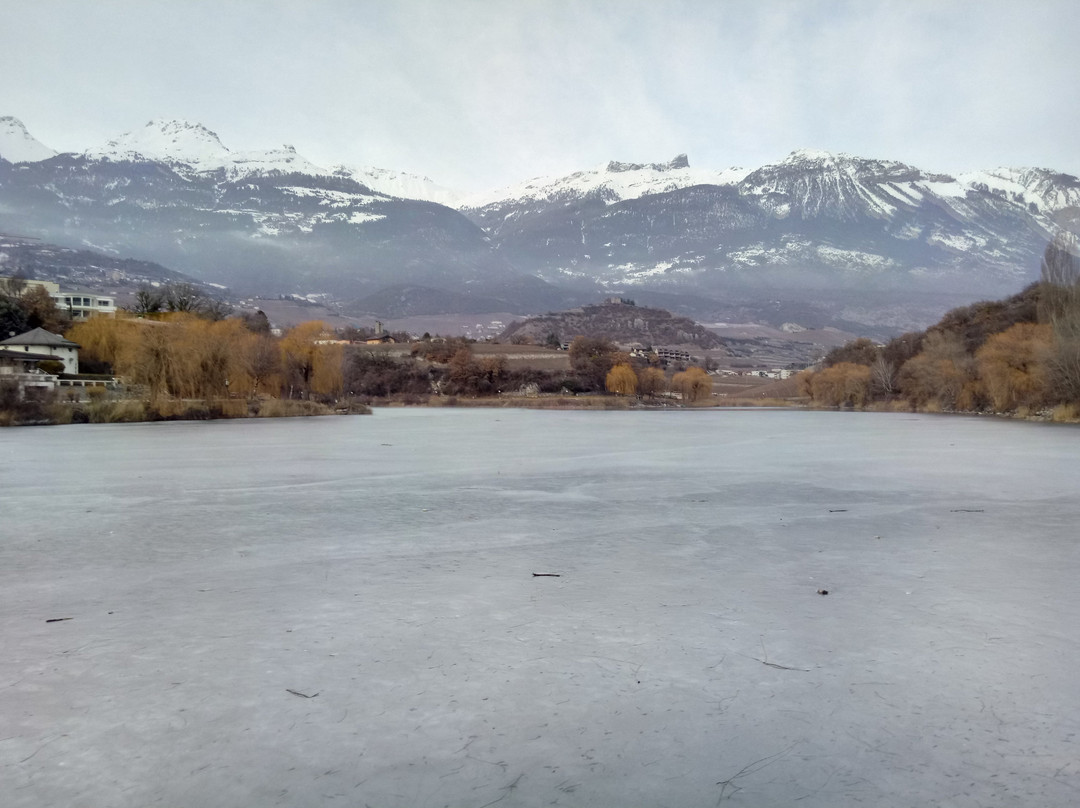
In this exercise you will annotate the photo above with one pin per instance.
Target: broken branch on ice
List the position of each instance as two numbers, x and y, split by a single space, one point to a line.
765 661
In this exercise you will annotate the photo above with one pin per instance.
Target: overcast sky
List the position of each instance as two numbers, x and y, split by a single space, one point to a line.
482 93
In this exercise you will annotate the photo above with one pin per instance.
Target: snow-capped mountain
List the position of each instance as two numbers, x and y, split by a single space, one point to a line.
262 222
822 227
171 142
611 182
1045 193
816 238
191 148
19 146
400 184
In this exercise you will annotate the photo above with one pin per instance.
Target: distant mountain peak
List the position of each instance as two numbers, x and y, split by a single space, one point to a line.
17 145
400 184
814 156
167 140
612 182
679 161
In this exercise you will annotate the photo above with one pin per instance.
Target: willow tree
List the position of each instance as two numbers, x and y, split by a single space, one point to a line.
651 381
311 364
1013 366
621 380
693 384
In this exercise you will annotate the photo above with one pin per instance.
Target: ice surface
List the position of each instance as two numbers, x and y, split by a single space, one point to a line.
383 566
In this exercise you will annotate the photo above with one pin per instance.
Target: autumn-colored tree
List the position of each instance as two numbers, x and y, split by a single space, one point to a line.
298 355
201 353
310 367
843 385
464 370
442 349
621 380
260 360
651 381
104 339
1013 366
693 384
148 361
942 374
328 379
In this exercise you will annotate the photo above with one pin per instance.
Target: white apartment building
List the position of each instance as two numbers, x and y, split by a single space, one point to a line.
79 305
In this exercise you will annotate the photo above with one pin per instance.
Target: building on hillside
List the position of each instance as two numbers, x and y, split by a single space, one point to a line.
78 305
48 345
673 354
81 305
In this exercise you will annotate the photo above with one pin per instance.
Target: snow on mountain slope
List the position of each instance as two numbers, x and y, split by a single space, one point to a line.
193 148
810 183
400 184
19 146
285 160
613 182
166 141
1042 191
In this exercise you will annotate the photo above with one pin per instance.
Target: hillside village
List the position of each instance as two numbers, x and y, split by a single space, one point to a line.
242 356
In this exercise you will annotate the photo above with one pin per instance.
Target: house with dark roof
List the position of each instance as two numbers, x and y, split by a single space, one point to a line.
47 345
21 367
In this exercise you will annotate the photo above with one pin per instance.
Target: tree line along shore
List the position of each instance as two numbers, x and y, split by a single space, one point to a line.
1019 356
190 360
200 362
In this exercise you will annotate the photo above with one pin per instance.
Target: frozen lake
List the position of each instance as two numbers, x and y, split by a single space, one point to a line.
343 611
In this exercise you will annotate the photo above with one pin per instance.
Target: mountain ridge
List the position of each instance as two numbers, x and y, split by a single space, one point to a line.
850 238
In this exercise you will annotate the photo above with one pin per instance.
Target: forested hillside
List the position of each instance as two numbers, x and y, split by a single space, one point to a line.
1020 355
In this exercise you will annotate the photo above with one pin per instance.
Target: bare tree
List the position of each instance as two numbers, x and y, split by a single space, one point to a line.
883 376
184 297
1059 299
148 301
1059 307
